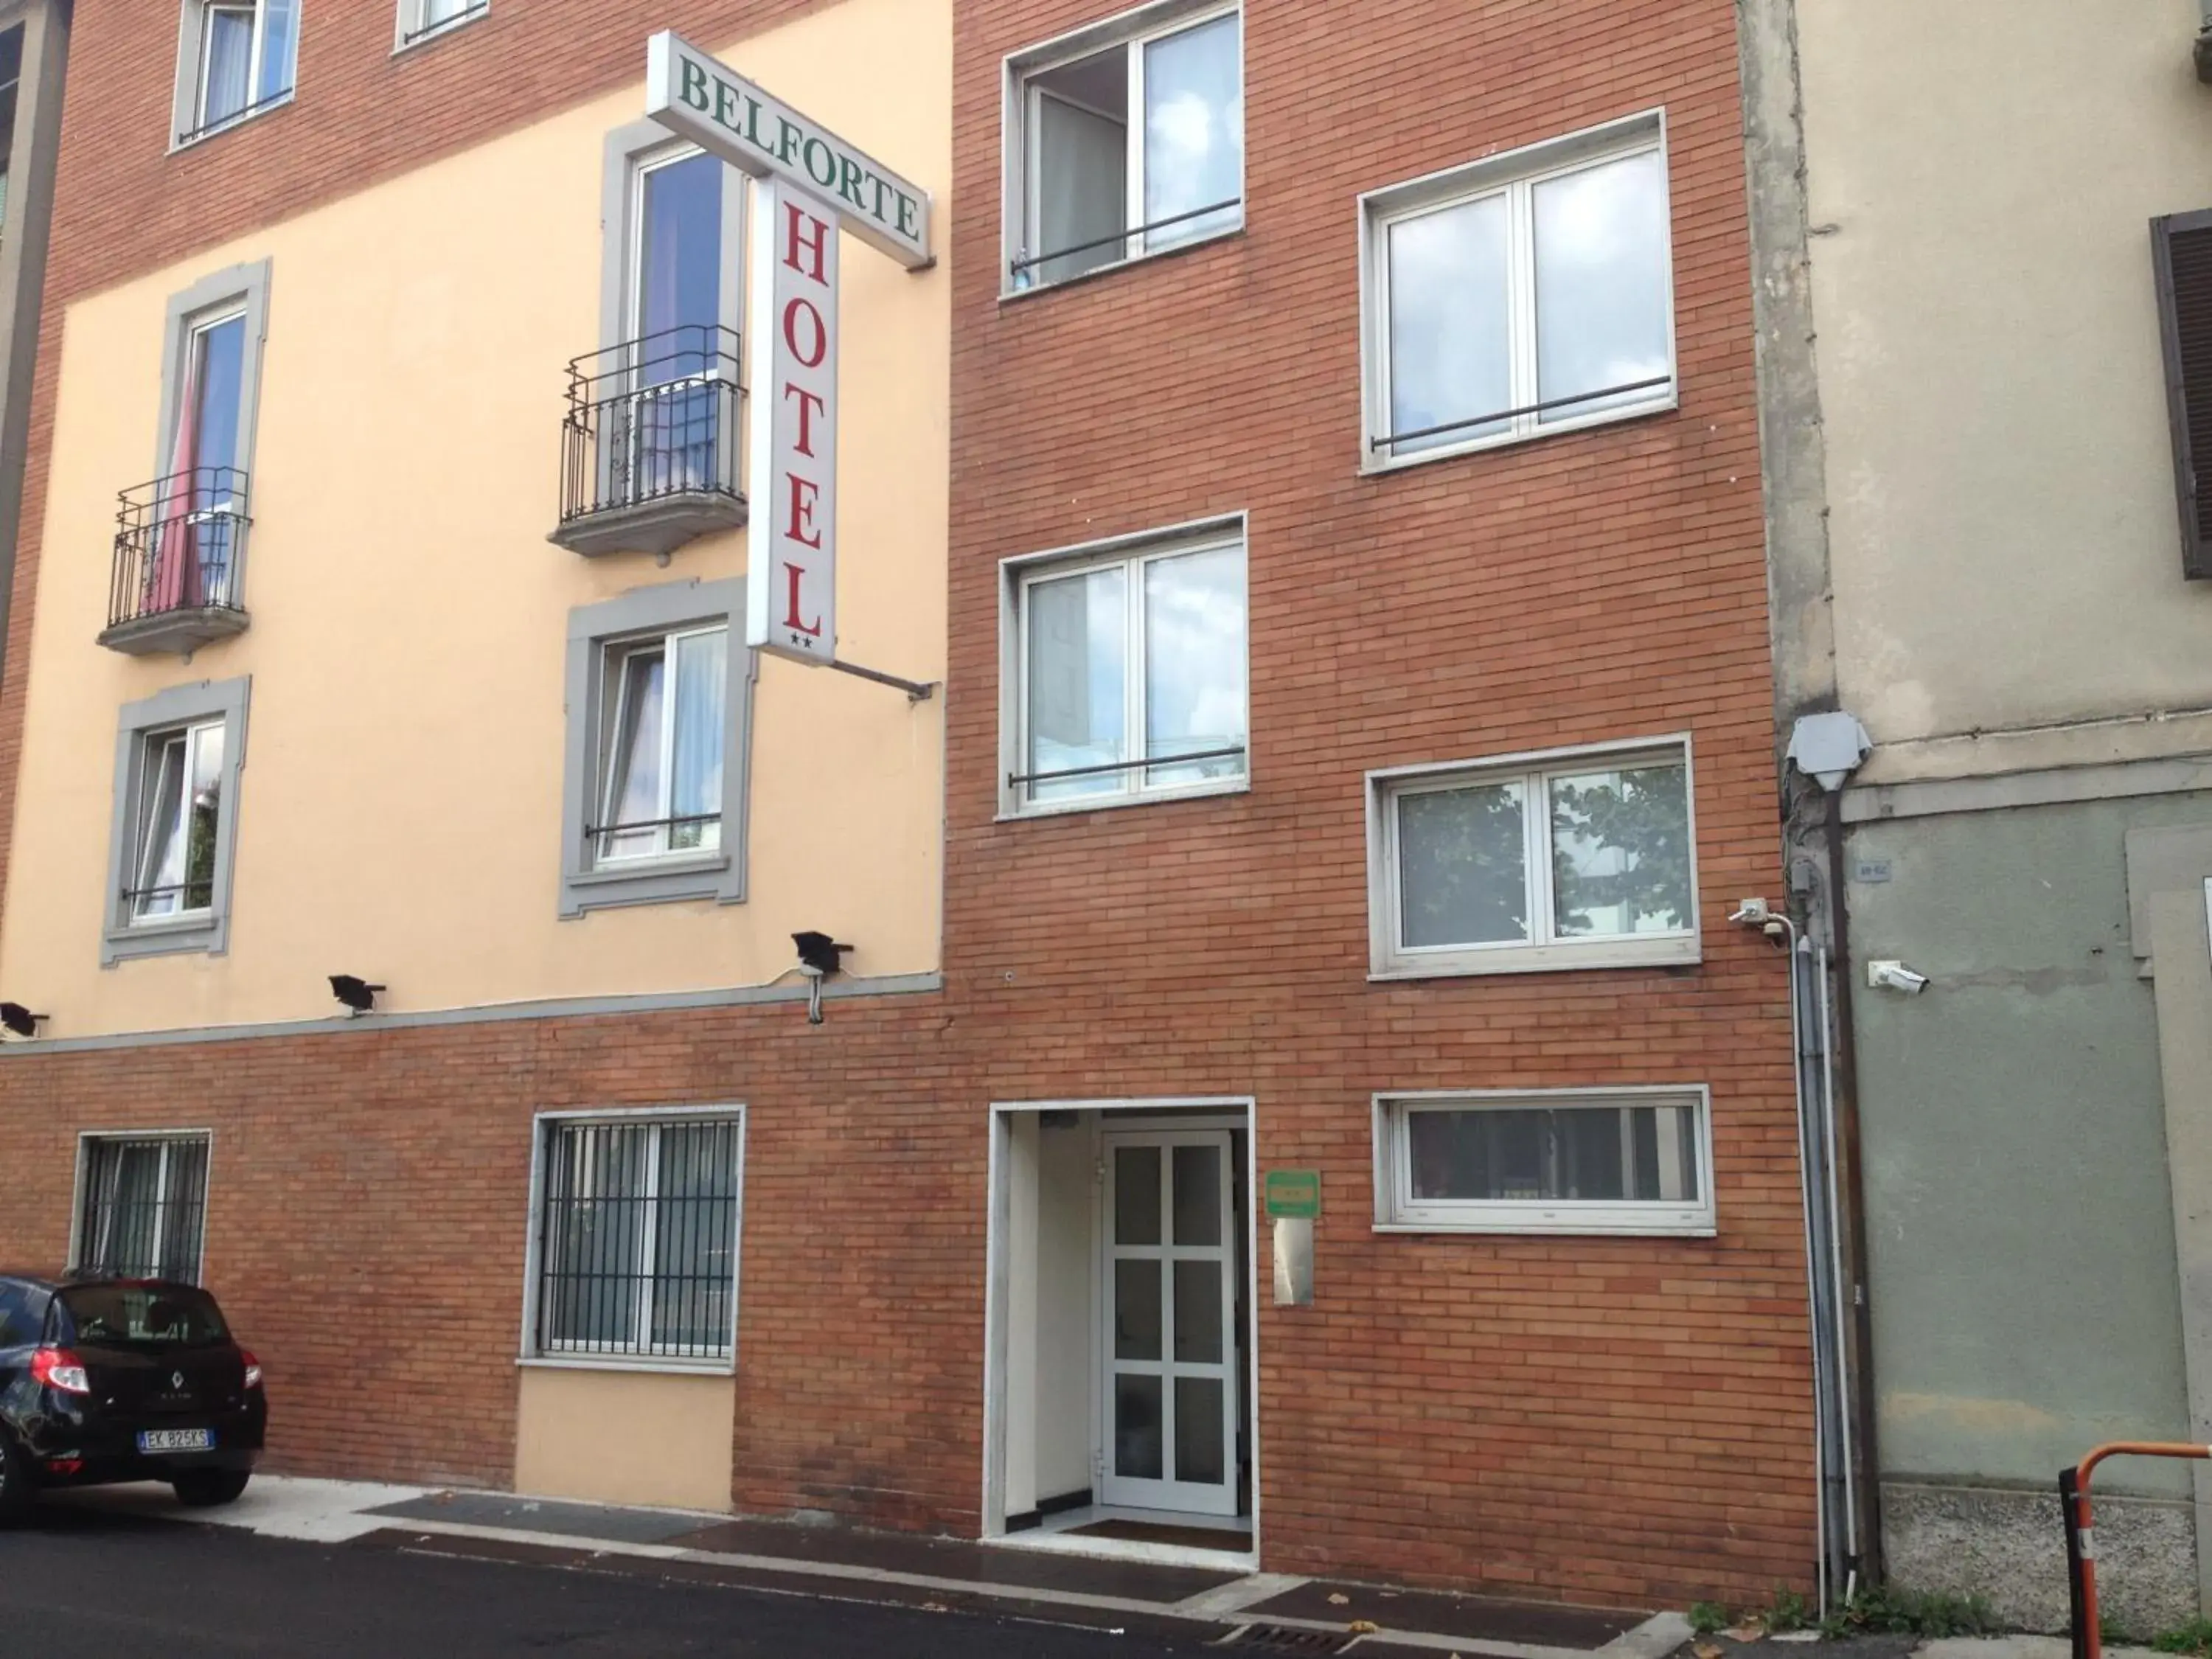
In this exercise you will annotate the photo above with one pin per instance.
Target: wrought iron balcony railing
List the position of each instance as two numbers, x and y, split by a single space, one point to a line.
180 558
650 447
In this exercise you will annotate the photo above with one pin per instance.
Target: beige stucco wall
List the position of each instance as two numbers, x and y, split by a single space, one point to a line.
625 1437
400 807
2004 544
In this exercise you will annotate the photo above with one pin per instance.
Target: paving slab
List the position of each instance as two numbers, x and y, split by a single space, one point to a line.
485 1509
925 1598
956 1559
1472 1618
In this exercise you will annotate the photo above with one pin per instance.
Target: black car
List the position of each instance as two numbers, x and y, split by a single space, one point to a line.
105 1379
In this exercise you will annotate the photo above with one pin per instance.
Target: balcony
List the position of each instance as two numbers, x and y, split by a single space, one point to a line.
179 559
649 449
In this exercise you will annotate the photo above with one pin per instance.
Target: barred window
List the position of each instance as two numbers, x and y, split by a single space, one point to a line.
145 1202
637 1246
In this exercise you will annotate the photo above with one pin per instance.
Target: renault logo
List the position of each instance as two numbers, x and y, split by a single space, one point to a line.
176 1379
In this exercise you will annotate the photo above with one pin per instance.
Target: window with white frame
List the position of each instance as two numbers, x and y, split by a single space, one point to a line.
1128 139
1565 1160
420 19
1526 294
636 1246
179 755
658 722
142 1207
234 58
664 703
180 810
1130 666
1573 859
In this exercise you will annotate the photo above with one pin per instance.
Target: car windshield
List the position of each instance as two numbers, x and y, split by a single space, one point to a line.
143 1316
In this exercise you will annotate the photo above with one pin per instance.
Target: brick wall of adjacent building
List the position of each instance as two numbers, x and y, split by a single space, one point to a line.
368 1217
1616 1420
1610 1418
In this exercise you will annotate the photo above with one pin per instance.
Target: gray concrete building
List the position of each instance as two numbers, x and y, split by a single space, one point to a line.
1982 365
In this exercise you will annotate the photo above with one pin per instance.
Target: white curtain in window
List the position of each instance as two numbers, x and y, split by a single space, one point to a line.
1078 680
696 780
1082 187
228 70
633 794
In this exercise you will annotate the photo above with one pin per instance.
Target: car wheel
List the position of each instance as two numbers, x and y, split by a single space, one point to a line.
15 1489
203 1489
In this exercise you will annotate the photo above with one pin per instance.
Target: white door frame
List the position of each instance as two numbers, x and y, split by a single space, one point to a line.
1230 1112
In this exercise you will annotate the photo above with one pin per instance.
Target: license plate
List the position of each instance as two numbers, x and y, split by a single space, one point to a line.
176 1440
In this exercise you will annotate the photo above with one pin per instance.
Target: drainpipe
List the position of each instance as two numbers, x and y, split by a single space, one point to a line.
1824 750
1857 1322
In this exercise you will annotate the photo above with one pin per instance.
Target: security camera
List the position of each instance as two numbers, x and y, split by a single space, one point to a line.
1895 976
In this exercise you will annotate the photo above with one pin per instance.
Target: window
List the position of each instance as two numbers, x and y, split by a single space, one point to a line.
180 808
636 1246
2181 258
658 727
1562 1160
662 708
178 580
1129 668
23 1316
1528 294
420 19
179 755
143 1208
234 58
650 447
1128 140
1578 858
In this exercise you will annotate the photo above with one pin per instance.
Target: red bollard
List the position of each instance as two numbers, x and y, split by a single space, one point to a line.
2081 1537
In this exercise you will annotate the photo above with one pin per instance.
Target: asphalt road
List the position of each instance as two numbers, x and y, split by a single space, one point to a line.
79 1581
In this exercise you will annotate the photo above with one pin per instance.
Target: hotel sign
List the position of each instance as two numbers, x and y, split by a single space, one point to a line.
791 549
702 98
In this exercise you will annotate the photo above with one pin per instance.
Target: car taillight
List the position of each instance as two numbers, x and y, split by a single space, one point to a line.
59 1369
252 1369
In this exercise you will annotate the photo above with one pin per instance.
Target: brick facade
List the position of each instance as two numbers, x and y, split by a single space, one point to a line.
1606 1419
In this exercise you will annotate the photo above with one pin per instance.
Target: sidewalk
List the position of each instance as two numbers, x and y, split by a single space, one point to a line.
1260 1612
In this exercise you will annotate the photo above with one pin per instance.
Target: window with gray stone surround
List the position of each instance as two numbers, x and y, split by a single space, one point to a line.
658 697
174 830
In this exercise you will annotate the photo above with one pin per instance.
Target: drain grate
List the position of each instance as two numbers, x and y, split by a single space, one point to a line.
1282 1638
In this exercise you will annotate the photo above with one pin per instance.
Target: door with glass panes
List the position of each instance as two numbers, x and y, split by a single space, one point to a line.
1170 1342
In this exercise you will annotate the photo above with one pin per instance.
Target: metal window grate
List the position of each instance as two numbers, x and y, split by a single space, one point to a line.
145 1200
638 1239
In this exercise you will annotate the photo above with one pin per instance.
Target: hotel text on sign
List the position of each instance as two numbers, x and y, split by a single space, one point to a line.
791 554
704 100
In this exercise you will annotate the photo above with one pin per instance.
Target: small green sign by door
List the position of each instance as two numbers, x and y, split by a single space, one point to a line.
1294 1194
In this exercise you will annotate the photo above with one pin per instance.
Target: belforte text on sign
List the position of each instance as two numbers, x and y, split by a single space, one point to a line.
791 548
704 100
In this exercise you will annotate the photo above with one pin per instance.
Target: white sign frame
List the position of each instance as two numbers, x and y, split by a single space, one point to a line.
700 98
791 533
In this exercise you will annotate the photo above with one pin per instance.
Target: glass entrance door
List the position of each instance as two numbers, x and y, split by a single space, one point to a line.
1169 1344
